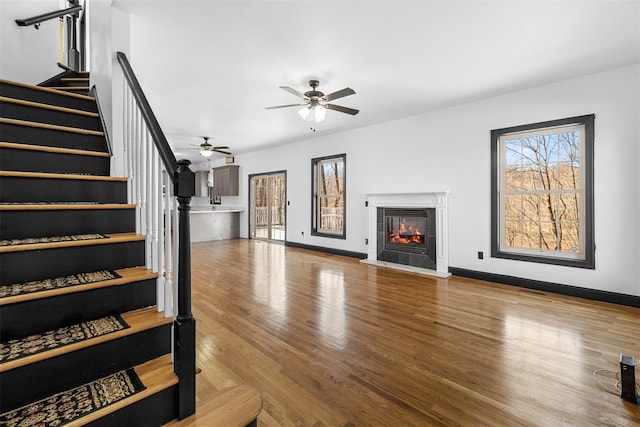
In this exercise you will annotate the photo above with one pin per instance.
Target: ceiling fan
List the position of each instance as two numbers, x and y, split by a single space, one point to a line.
207 149
316 103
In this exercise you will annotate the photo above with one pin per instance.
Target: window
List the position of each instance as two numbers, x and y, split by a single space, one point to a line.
542 192
328 202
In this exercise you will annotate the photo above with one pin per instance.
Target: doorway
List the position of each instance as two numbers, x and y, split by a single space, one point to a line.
267 206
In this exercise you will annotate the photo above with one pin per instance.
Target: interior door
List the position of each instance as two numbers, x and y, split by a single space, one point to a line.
267 195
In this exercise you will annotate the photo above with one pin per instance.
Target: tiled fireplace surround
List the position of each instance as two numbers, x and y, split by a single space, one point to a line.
436 200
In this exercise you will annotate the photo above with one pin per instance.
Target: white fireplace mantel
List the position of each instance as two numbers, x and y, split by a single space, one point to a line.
437 200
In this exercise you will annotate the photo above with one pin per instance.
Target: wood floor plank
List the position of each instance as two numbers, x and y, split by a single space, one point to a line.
330 341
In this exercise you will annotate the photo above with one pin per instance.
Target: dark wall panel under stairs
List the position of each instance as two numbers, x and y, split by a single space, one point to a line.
25 266
46 314
41 379
22 224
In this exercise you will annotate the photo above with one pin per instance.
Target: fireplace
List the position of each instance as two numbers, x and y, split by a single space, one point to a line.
405 230
409 231
407 236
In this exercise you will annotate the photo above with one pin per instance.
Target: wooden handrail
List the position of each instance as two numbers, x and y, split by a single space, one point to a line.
160 141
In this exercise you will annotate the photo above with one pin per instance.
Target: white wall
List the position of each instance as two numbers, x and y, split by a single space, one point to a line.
450 150
109 33
28 55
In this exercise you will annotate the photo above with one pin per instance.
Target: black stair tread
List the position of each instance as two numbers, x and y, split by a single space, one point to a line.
127 275
138 321
71 88
157 375
112 239
48 89
48 106
45 175
63 206
51 127
48 149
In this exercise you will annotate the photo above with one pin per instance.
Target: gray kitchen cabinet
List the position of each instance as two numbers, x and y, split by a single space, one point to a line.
225 180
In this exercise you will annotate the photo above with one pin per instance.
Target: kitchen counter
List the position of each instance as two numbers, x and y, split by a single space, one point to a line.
216 210
215 223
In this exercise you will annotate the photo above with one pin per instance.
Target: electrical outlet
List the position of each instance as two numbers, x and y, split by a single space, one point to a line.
480 255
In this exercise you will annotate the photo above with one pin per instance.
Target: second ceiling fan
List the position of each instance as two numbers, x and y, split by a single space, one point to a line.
316 103
207 149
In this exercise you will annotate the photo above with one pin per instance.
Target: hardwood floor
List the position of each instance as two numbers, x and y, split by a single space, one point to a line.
333 342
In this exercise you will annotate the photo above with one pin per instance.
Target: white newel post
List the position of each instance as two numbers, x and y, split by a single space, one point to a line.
437 200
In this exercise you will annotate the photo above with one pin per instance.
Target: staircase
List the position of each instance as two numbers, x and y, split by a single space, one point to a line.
55 183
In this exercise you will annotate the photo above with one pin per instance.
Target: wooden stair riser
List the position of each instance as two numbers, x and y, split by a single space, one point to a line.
24 134
47 97
47 223
29 113
28 189
12 159
25 266
46 314
154 411
41 379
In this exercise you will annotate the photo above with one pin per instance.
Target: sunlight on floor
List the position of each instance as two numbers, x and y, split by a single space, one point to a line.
331 308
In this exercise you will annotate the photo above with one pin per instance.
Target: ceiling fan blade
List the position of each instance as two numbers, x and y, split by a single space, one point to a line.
222 151
293 92
342 109
285 106
220 146
340 94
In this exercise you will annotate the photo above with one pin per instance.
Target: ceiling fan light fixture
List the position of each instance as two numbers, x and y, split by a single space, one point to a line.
320 112
304 112
314 113
206 153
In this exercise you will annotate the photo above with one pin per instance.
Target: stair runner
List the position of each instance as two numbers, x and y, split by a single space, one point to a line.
82 341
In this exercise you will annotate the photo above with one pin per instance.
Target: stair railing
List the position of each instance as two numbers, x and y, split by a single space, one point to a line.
156 181
73 14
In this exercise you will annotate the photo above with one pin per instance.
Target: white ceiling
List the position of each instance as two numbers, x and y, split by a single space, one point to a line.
210 67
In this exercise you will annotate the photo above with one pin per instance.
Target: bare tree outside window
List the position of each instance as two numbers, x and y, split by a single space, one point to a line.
542 175
329 196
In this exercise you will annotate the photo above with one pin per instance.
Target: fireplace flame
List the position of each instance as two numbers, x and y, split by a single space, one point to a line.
406 234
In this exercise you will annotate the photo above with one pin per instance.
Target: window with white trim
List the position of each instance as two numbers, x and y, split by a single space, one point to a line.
328 202
542 192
